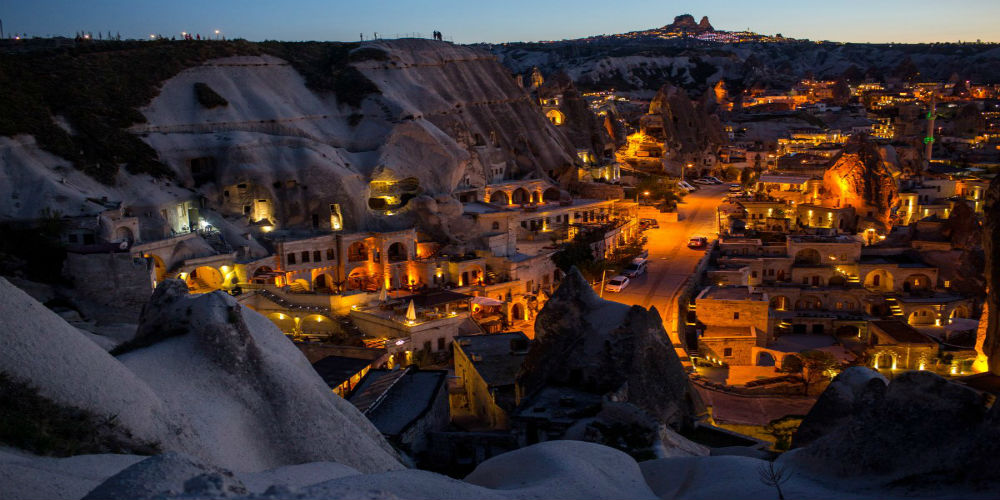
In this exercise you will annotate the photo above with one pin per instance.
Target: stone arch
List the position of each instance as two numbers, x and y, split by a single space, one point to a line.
283 321
357 252
317 324
885 360
807 302
880 279
765 358
123 233
922 316
159 267
205 279
536 197
917 281
847 303
551 195
780 303
959 311
555 116
518 312
499 198
397 252
520 196
324 282
808 256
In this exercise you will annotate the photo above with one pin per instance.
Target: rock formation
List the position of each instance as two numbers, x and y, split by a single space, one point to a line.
861 178
991 246
919 428
602 347
688 131
584 129
704 25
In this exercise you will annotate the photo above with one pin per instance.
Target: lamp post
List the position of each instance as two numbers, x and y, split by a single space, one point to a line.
603 274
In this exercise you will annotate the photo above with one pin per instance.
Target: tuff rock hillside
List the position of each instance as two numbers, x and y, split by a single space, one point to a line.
863 179
419 116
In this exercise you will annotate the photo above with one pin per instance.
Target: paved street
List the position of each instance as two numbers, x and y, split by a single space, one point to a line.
670 260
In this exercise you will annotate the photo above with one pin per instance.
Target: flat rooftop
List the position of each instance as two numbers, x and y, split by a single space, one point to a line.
730 293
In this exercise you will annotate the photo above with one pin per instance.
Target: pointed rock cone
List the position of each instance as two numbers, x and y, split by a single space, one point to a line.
411 312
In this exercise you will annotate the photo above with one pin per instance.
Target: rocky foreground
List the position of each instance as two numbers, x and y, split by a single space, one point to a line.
228 407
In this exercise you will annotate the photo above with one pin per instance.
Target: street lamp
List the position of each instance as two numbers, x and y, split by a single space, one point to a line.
217 34
603 274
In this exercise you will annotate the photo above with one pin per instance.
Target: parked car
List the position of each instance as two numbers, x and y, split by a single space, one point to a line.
697 242
616 284
685 186
703 181
635 268
649 223
735 188
714 180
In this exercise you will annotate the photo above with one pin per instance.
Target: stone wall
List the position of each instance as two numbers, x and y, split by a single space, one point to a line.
112 287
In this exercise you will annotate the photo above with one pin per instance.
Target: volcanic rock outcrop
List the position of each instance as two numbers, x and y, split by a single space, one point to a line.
606 348
688 131
580 125
861 178
991 246
919 427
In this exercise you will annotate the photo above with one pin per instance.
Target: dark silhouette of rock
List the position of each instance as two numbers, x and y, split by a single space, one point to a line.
991 247
602 347
963 229
920 427
704 25
688 130
837 403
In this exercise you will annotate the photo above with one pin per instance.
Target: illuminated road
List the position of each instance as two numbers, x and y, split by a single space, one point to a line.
670 260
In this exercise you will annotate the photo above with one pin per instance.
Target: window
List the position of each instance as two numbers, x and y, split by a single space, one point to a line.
317 256
496 226
291 258
330 254
727 352
736 315
305 256
753 274
440 343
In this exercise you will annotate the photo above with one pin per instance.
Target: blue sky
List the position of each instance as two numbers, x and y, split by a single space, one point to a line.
506 20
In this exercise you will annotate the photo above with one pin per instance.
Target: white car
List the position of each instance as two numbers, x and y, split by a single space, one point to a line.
635 268
713 180
616 284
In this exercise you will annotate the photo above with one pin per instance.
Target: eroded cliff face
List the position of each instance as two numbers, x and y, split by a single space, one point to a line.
990 343
580 125
861 178
688 129
444 116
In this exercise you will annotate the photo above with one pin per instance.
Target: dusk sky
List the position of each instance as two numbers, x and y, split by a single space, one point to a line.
510 20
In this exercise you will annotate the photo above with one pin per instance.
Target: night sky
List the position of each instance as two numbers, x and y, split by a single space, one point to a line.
506 20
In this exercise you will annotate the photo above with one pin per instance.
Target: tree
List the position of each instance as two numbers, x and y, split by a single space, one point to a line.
747 178
771 476
814 367
791 364
782 430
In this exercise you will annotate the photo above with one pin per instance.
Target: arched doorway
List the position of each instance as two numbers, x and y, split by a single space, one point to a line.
880 280
765 359
124 234
916 282
499 198
317 324
779 303
959 312
885 361
551 195
205 279
159 268
520 196
922 317
517 312
324 283
536 197
357 252
808 302
555 116
397 252
283 321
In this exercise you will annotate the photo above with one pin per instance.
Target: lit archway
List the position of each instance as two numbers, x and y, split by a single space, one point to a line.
517 312
358 279
959 312
880 280
520 196
807 256
499 198
124 234
551 195
779 303
317 324
765 359
283 321
324 283
159 268
923 316
556 117
397 252
917 282
205 279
